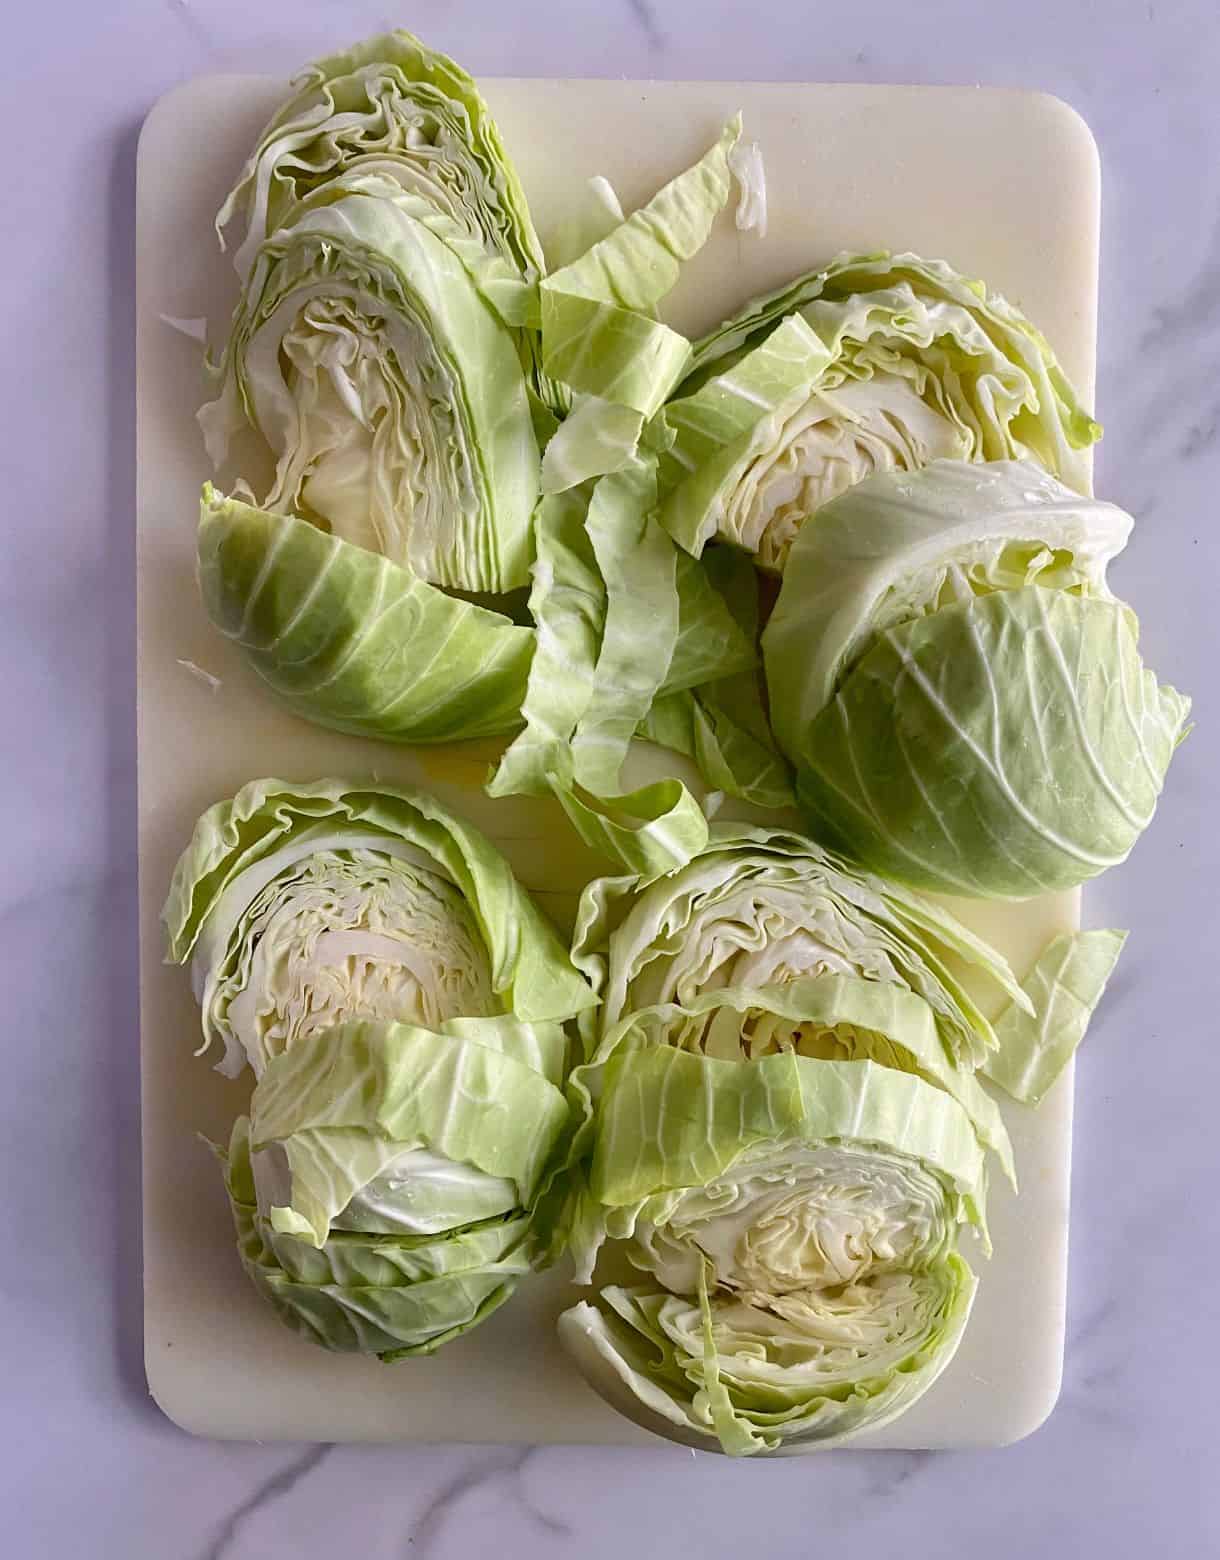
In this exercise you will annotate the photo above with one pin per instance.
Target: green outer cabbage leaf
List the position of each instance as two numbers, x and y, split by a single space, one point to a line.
1065 986
387 390
896 548
350 640
392 1296
1026 747
265 834
874 362
962 698
776 1344
350 1099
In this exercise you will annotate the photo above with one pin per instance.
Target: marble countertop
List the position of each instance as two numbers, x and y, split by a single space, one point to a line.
89 1467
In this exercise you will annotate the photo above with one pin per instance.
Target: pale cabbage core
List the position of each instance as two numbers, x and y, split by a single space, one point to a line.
345 934
794 1220
833 440
363 413
753 932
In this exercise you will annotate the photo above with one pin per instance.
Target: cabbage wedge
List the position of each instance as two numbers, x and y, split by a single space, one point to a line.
962 697
401 1004
795 1222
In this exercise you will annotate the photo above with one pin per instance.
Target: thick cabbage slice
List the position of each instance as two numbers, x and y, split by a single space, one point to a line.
761 907
875 363
963 699
797 1220
302 906
352 1107
831 1017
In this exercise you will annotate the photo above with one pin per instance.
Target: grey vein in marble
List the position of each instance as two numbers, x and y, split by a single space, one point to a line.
281 1483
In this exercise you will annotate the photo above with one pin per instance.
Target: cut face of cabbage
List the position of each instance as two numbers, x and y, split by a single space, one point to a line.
763 907
796 1221
352 934
832 441
304 906
877 363
389 394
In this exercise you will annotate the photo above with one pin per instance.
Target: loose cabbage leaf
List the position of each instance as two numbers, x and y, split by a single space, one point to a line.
622 619
1064 986
599 334
351 640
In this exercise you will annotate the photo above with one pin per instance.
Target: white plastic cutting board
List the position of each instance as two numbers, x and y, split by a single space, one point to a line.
1003 184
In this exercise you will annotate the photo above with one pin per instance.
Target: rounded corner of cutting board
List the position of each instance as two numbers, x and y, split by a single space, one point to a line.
176 1396
1067 127
1034 1414
181 103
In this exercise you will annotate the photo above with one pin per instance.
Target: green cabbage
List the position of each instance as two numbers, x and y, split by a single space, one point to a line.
797 1223
963 699
388 392
399 110
301 906
875 363
757 907
401 1004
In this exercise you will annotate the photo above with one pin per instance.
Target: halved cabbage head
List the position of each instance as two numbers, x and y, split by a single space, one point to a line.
963 699
387 1200
393 107
766 908
797 1221
303 906
876 363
